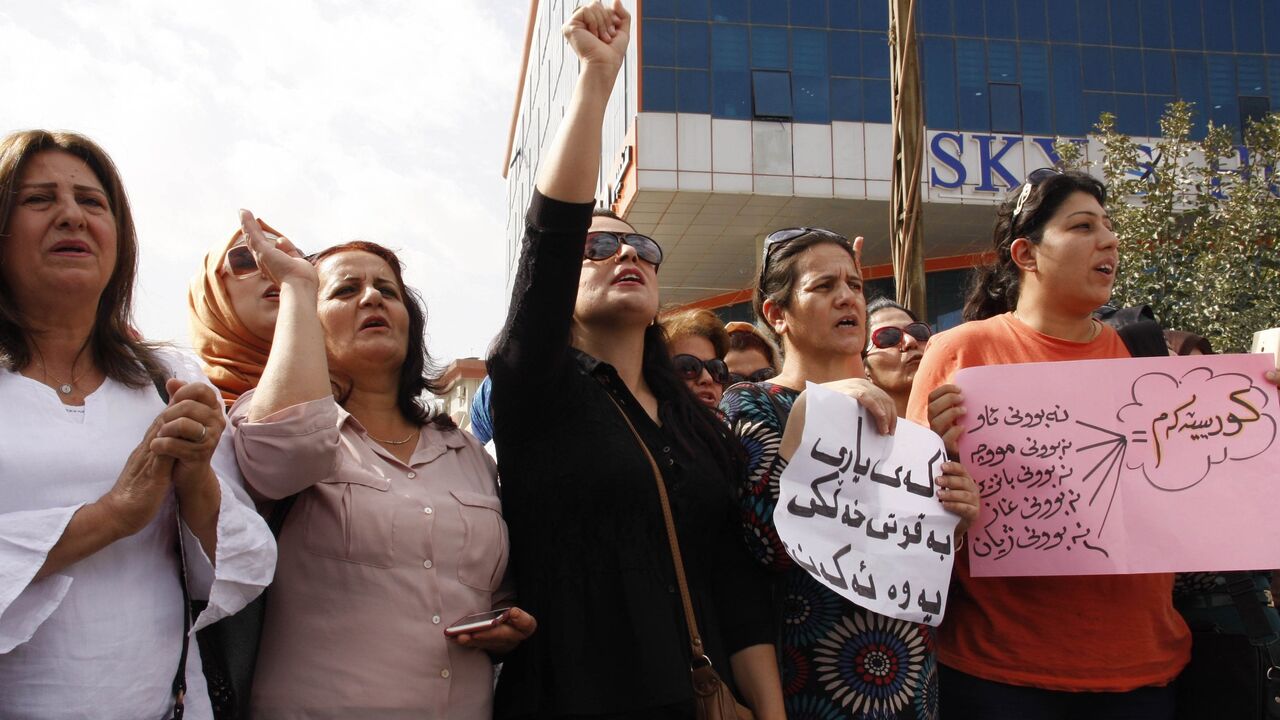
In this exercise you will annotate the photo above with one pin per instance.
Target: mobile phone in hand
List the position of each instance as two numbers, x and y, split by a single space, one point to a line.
477 622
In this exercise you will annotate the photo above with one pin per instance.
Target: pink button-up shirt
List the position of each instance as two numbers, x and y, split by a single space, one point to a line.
377 557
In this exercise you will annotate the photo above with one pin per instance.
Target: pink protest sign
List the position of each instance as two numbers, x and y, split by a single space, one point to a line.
1123 466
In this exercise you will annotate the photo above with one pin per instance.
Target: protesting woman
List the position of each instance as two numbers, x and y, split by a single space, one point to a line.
584 394
896 340
107 485
396 531
837 658
1103 646
233 308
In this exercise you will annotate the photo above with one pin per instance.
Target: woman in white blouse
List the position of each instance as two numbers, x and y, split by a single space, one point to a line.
100 478
397 528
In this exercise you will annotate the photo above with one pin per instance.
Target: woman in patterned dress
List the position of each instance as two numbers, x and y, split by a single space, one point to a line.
838 660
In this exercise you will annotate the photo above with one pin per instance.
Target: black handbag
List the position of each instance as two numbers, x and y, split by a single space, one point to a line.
1234 676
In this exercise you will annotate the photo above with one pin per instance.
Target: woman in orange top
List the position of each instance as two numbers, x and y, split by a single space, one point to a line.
1105 646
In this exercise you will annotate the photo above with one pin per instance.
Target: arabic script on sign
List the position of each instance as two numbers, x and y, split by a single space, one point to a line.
1123 466
858 510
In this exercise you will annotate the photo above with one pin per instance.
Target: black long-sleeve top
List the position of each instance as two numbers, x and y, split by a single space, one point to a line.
588 542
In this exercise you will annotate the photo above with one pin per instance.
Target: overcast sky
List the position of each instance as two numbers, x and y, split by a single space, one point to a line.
331 119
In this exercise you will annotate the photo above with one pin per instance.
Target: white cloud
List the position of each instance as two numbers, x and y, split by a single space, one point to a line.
331 119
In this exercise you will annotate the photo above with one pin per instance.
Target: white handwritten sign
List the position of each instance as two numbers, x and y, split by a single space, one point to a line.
1123 466
858 510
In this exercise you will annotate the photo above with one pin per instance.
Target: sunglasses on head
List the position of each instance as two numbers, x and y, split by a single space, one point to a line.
764 373
604 245
1033 179
690 368
779 238
889 336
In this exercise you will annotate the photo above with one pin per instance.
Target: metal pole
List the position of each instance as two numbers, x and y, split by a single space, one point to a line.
906 239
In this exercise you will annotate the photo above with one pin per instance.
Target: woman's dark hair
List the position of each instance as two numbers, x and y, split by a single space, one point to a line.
114 345
995 287
695 426
752 340
419 373
607 213
881 302
778 279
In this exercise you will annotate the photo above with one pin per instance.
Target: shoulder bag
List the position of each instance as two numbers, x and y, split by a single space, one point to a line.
713 700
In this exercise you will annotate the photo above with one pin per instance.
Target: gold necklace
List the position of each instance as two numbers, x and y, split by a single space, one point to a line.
393 442
64 388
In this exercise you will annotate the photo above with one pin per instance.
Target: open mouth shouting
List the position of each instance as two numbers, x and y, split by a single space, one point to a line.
71 248
375 322
628 276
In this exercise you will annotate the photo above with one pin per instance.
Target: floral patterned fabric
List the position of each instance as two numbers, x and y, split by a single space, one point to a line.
838 660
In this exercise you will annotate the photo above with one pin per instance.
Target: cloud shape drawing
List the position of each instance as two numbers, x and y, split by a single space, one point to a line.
1180 428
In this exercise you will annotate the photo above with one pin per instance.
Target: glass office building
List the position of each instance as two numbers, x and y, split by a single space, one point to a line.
755 114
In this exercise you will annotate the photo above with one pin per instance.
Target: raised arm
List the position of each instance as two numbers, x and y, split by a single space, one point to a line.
534 342
297 370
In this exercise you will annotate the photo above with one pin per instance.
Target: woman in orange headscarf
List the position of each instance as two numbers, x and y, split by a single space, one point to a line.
233 315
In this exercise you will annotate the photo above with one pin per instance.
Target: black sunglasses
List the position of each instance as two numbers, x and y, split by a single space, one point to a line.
779 239
690 368
604 245
1034 178
764 373
889 336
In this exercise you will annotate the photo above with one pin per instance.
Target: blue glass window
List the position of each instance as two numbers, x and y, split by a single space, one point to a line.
1187 30
691 9
768 12
1066 90
1271 22
1131 114
1192 84
1095 23
1002 62
971 72
1094 104
809 94
875 15
692 44
876 101
1006 108
771 94
659 8
1037 105
1096 69
812 13
694 92
1155 23
1128 65
729 47
1274 74
1223 106
809 52
1125 26
1248 16
1217 26
1251 75
1031 20
1156 105
731 94
1000 19
938 78
875 55
846 99
846 53
1158 70
971 21
769 48
659 90
659 37
722 10
844 14
934 17
1062 20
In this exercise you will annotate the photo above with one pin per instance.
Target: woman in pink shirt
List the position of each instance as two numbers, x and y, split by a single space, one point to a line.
396 531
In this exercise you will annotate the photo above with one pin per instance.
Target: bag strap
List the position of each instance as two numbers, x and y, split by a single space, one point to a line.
691 623
179 678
